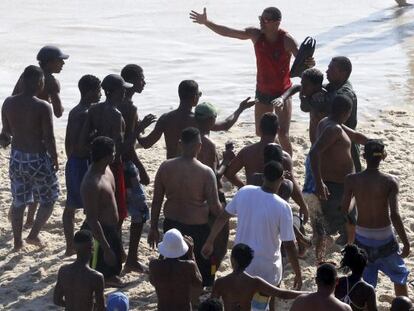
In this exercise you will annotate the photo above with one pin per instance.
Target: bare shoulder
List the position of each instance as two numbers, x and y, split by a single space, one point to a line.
8 101
253 32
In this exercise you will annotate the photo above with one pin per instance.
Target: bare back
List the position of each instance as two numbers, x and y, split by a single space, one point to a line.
76 120
318 302
336 160
30 122
188 185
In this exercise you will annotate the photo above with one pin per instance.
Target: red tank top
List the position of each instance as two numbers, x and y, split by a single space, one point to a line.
273 65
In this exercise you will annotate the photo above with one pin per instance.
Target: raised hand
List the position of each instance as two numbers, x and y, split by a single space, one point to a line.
199 18
147 121
247 103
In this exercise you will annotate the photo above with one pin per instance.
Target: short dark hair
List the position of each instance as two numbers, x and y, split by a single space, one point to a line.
102 147
269 124
83 236
344 64
272 171
31 75
242 254
354 258
272 152
130 71
401 303
374 151
274 13
315 76
88 83
211 304
187 89
189 135
341 104
326 274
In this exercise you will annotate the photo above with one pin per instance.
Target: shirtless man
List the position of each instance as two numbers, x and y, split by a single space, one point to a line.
172 123
28 125
331 161
77 154
238 288
324 298
134 170
98 198
274 48
251 159
78 286
51 60
191 191
376 196
175 273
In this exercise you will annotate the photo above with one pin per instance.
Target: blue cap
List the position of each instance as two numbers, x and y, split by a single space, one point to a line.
117 301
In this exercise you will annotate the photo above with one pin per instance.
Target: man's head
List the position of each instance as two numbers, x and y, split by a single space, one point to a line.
374 152
339 70
326 276
190 141
272 152
33 79
241 256
134 74
83 243
211 304
273 172
270 20
341 108
401 303
269 124
188 92
103 150
90 88
312 79
205 115
114 87
51 58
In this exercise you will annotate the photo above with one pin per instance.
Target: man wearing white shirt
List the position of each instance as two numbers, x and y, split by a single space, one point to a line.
264 222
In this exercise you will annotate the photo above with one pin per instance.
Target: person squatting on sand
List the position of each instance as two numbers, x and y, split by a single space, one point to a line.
28 126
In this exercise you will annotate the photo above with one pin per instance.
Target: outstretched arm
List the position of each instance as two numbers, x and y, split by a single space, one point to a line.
356 137
273 291
279 102
231 173
230 120
219 223
198 18
154 136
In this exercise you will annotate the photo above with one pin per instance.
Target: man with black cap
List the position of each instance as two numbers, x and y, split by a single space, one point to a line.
324 298
376 196
78 286
274 48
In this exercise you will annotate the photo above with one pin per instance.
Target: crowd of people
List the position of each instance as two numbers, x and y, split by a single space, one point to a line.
105 178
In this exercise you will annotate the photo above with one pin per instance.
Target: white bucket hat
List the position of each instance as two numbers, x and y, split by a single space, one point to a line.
173 244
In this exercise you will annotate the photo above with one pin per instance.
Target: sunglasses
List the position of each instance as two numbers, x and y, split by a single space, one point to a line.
267 20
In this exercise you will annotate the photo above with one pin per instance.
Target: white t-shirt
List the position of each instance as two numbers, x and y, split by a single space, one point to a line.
264 220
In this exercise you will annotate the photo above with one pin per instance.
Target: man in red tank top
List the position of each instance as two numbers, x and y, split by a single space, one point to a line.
273 47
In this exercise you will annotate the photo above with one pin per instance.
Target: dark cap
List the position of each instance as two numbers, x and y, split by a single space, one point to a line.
50 52
374 148
113 82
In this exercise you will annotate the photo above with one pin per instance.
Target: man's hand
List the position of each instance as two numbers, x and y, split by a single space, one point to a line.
147 121
144 178
153 237
310 62
405 251
109 257
305 212
228 155
199 18
297 283
58 110
322 191
278 102
207 249
245 104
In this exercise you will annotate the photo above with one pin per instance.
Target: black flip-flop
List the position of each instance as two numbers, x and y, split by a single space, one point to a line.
306 50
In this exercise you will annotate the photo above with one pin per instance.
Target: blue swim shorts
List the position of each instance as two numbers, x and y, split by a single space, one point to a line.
136 200
75 170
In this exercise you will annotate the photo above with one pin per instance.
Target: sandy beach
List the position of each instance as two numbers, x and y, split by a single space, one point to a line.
27 277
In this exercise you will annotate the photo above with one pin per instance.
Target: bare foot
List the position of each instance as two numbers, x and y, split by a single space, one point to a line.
69 252
135 267
115 281
35 241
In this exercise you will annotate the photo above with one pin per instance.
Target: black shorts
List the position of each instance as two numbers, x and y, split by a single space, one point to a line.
199 233
266 99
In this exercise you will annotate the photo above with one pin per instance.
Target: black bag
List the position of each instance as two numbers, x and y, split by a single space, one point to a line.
306 50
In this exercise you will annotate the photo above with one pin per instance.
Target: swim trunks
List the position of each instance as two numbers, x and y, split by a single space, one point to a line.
97 261
266 99
135 200
382 256
117 169
334 218
32 179
199 233
75 169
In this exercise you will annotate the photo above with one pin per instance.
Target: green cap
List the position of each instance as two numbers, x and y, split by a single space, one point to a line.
205 111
